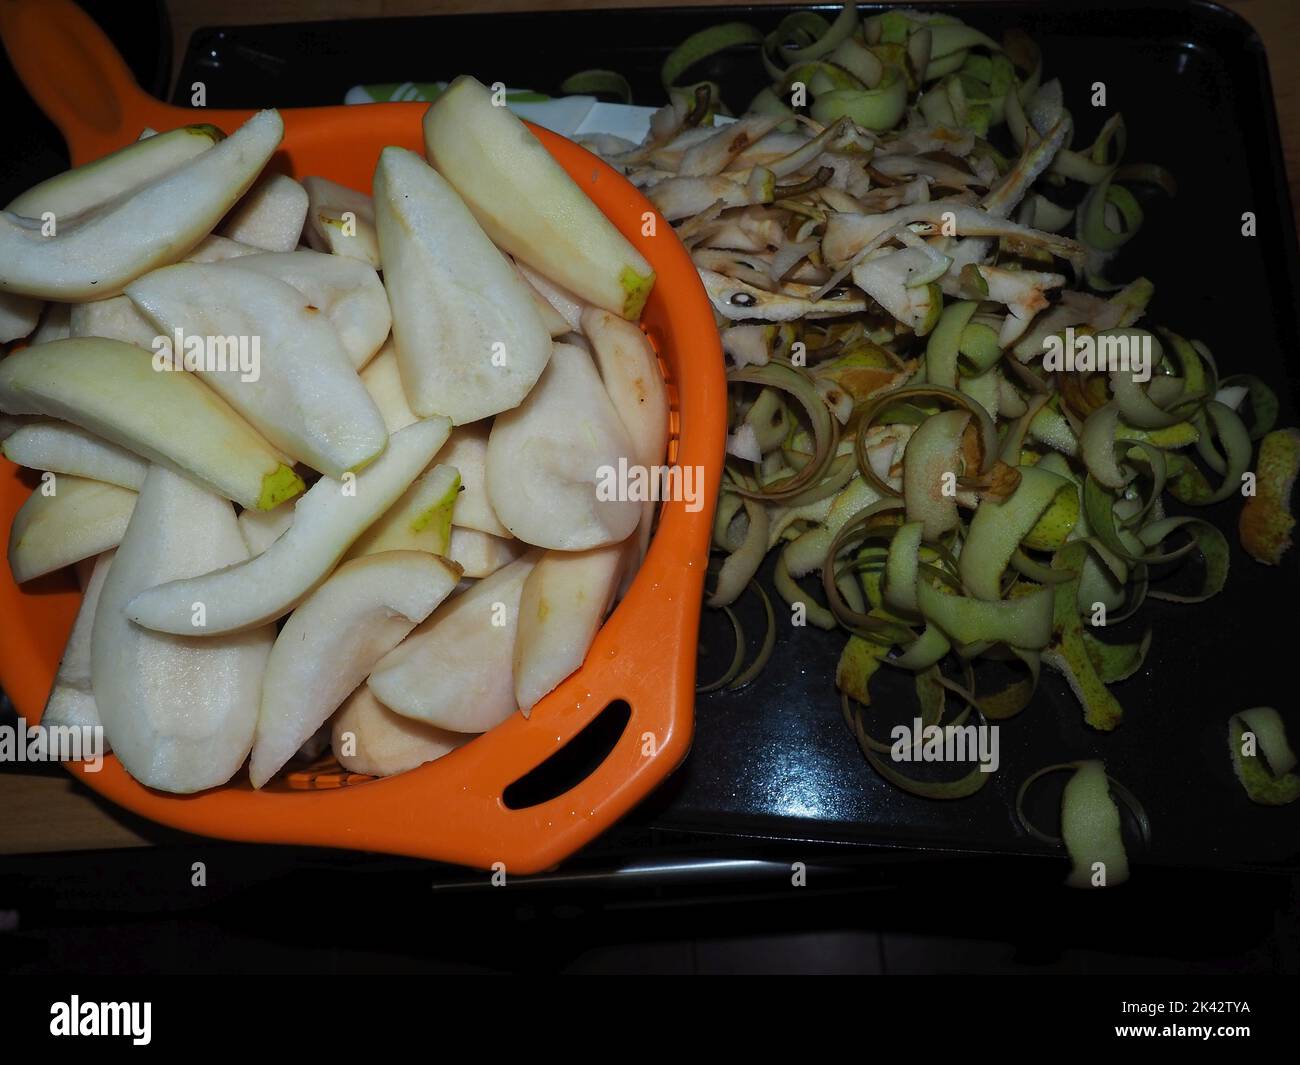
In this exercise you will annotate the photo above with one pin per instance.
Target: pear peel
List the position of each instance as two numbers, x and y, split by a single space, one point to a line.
300 391
470 340
333 639
179 712
329 517
546 458
455 670
98 253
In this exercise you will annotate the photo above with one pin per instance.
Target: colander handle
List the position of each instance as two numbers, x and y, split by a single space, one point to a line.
75 75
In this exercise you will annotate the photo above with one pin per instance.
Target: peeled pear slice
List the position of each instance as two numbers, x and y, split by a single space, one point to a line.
383 380
466 449
419 521
341 220
93 184
271 214
564 600
333 640
261 528
470 341
349 293
527 203
19 316
79 519
113 319
551 318
455 671
562 301
72 702
367 737
306 399
62 448
56 324
326 521
217 249
630 371
481 554
179 712
545 459
112 390
97 254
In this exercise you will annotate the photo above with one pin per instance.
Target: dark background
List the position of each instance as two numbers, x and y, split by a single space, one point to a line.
699 880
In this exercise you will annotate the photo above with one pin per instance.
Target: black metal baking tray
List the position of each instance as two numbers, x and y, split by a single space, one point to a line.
776 760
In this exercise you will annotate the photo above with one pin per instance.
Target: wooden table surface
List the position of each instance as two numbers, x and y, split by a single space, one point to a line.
45 810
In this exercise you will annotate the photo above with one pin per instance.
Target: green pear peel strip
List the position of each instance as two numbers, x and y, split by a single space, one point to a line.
327 520
97 255
998 529
1270 736
333 639
81 519
1090 827
111 389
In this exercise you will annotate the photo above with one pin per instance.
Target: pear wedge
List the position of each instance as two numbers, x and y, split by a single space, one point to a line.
112 390
112 319
528 204
128 169
367 737
261 528
419 521
217 249
97 254
546 459
564 600
481 554
45 444
470 340
562 301
454 671
326 521
466 449
56 324
333 640
383 380
630 371
302 395
72 702
341 220
19 316
270 215
81 518
349 293
179 712
551 318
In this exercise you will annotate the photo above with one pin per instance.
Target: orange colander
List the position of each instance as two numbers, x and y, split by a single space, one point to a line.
452 809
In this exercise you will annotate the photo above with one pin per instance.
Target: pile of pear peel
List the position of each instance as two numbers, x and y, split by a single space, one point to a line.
365 512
